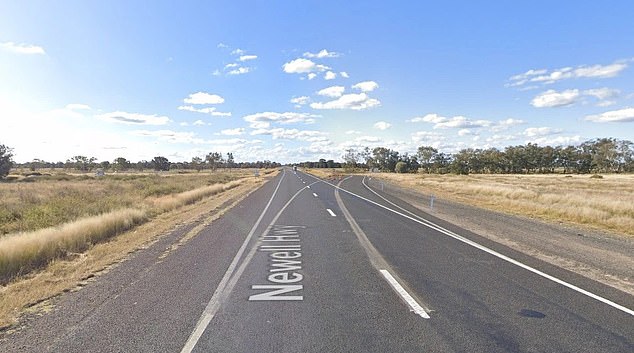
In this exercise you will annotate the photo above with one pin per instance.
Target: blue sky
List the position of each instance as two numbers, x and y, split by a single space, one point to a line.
293 81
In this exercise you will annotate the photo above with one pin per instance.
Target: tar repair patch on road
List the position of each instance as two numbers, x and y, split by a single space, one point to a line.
282 243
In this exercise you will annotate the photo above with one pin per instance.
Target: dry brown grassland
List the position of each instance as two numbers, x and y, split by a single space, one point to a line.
39 262
605 203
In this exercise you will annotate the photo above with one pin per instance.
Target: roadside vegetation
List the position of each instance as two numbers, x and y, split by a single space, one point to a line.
56 215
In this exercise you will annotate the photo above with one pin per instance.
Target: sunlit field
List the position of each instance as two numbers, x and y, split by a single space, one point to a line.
56 216
604 203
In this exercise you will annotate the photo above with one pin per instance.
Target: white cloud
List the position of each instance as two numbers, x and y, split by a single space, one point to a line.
322 54
366 86
465 132
332 91
238 52
311 75
222 45
75 106
547 77
556 141
300 100
352 132
428 138
382 125
330 75
239 71
247 57
614 116
456 122
134 118
602 93
209 110
552 98
203 98
303 66
169 136
344 74
231 65
22 48
216 72
541 131
359 101
292 134
199 123
233 132
503 125
264 120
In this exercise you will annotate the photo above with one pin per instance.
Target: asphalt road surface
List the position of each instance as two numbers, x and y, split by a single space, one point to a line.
311 265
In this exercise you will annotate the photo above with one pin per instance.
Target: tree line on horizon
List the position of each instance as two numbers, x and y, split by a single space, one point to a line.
603 155
211 161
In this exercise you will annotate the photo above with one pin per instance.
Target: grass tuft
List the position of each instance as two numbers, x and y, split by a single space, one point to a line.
21 253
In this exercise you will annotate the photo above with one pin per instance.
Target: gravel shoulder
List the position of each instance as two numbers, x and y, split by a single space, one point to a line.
602 256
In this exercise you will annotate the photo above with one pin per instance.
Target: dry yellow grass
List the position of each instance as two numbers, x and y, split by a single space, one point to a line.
71 273
23 252
606 203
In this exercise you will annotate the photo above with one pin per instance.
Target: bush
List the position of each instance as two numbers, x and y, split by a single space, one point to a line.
401 167
5 161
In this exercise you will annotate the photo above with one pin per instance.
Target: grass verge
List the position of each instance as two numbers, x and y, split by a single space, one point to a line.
72 273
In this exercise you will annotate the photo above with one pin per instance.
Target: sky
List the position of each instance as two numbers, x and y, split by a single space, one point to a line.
293 81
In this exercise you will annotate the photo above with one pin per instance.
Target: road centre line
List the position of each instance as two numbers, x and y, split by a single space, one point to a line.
442 230
214 302
415 307
331 213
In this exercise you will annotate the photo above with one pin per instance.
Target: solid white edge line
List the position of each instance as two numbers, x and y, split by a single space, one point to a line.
494 253
331 213
413 304
209 312
314 194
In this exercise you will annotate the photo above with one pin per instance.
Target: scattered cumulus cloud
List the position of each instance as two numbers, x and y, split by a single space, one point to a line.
76 106
332 91
134 118
625 115
247 57
169 136
351 101
27 49
238 51
208 110
366 86
344 74
264 120
239 71
303 66
461 122
552 98
300 100
353 132
311 75
292 134
556 141
541 131
330 75
382 125
544 76
203 98
322 54
233 132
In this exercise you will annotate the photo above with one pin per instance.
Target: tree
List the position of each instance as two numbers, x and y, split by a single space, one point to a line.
160 163
213 159
121 164
82 163
6 161
351 158
426 156
230 160
401 167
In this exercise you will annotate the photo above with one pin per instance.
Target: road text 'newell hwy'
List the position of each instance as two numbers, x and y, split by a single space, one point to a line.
282 244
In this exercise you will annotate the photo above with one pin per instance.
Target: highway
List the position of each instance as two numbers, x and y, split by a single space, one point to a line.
310 265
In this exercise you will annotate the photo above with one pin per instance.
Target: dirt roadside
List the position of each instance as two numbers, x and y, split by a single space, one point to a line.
602 256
